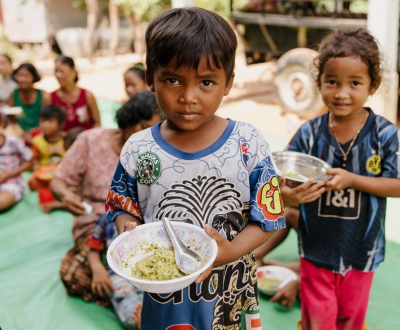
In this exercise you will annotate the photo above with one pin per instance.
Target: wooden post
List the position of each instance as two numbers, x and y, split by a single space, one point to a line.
383 23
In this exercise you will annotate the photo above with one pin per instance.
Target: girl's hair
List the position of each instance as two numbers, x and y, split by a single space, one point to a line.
351 42
140 107
7 57
68 61
32 70
138 68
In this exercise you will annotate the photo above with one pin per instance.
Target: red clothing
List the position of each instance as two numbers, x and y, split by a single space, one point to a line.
78 114
332 301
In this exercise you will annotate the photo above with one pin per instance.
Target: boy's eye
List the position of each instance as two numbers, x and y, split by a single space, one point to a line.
207 83
172 81
331 82
355 83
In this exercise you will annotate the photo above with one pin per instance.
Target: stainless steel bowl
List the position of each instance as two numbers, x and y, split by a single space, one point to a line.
297 167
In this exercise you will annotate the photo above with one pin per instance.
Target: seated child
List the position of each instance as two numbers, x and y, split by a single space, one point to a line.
123 296
48 149
15 158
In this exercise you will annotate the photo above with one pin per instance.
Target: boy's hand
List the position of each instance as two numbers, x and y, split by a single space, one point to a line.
73 203
305 193
341 179
224 255
130 225
101 281
287 295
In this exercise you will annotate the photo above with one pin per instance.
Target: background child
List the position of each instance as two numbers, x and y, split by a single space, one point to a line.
134 79
15 158
7 83
342 234
48 149
199 168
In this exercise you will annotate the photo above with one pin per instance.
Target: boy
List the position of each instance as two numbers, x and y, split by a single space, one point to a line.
199 168
47 149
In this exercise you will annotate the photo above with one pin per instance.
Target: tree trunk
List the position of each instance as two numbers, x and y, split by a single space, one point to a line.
93 12
139 37
114 23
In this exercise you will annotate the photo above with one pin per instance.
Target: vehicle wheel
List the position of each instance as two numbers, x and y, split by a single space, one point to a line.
295 84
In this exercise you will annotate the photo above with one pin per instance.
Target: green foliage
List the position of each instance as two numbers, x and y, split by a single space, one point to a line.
146 10
221 7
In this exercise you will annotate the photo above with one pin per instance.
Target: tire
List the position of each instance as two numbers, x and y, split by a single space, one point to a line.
295 85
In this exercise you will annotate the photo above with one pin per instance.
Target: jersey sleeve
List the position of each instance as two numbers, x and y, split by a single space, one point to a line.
123 196
266 206
390 165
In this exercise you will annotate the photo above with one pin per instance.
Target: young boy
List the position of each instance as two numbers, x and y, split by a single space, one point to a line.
199 168
47 149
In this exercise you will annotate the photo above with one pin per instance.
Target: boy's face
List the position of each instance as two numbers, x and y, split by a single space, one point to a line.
49 126
189 98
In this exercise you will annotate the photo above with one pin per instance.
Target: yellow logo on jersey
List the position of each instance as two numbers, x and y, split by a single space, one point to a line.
373 164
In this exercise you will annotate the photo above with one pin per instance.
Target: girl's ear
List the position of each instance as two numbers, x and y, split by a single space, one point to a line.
149 81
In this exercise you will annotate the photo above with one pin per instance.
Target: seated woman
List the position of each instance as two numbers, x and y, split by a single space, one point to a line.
79 104
30 99
82 181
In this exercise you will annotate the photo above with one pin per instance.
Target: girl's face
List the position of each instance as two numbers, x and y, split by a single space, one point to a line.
5 66
64 74
133 84
24 78
345 85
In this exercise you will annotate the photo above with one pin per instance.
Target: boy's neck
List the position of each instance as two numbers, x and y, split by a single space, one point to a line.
197 140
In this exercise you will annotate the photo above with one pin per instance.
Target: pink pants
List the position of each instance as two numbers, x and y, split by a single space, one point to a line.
332 301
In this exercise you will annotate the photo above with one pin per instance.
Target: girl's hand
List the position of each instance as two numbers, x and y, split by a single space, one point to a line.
101 281
225 249
73 203
287 295
4 176
341 179
305 193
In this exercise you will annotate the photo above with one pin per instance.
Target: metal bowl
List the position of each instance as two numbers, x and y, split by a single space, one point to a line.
297 167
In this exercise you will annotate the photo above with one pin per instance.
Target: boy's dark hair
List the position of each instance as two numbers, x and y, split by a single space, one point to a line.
53 111
142 106
138 68
68 61
71 136
187 35
32 70
7 57
351 42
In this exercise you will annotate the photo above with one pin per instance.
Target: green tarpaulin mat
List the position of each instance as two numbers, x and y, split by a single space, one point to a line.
32 296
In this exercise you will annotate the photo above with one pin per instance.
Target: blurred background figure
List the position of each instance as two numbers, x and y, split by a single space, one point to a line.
79 104
30 99
134 79
7 83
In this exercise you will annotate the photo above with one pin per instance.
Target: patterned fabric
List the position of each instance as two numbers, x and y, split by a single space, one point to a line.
77 114
13 152
226 185
345 229
89 164
48 153
76 274
31 111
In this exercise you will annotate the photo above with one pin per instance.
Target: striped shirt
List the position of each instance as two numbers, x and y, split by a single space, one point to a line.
345 229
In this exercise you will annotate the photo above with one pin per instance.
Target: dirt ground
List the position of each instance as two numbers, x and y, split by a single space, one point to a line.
251 98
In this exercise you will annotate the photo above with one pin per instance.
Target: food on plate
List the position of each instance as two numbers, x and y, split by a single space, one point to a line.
158 264
269 283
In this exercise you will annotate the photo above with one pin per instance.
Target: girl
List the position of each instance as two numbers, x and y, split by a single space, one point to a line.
341 234
79 104
134 79
15 158
26 96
